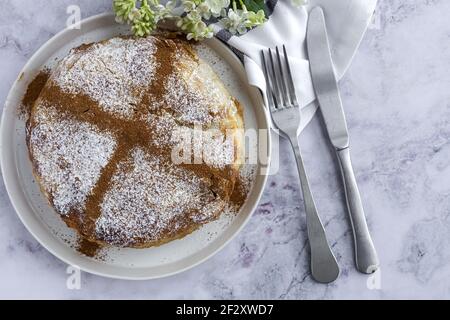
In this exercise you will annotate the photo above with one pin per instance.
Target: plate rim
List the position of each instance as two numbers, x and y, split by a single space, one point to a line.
7 165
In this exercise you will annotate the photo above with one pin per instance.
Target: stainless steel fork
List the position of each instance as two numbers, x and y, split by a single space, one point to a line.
285 112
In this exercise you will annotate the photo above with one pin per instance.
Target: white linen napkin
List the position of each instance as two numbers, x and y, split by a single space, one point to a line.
347 21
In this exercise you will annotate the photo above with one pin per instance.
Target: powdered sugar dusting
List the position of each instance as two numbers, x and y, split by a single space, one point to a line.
187 105
69 156
164 127
247 175
194 94
197 110
110 73
218 148
194 145
149 198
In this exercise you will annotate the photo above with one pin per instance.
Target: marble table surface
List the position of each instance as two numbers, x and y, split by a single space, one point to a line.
397 98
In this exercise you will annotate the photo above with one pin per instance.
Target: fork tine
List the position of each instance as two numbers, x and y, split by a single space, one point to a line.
290 81
284 89
275 82
269 92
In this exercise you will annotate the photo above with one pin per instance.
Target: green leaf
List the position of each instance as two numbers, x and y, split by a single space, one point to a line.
253 5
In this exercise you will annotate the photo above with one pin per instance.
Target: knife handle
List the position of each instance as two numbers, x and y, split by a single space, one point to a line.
365 254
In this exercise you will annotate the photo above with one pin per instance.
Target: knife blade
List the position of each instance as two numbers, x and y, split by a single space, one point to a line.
328 96
324 79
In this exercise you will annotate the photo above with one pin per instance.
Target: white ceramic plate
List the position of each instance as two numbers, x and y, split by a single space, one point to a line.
47 227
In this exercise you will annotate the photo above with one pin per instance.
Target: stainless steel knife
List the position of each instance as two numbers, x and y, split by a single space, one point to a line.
327 91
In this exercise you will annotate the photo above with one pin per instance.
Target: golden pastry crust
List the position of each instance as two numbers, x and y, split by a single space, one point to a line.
101 137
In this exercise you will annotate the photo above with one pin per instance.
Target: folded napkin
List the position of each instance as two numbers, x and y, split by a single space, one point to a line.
347 21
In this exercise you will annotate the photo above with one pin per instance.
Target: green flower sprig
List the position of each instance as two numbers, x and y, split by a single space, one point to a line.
142 15
192 16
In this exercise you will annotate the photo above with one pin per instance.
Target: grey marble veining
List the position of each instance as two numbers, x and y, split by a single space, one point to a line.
398 106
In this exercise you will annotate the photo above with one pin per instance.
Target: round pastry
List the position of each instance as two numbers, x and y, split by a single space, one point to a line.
110 138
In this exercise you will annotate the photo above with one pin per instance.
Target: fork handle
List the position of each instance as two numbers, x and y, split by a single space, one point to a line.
324 267
365 254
